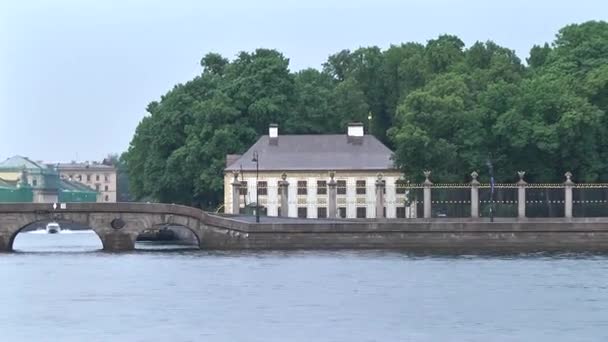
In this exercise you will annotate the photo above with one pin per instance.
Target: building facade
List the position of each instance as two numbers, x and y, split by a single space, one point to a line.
305 164
23 180
98 176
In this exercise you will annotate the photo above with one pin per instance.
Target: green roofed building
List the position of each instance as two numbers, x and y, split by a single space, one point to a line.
23 180
75 192
15 192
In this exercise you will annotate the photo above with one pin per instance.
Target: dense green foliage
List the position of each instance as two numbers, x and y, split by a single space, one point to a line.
439 106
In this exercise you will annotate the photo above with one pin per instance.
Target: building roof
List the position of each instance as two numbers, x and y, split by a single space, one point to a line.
316 152
66 185
84 166
19 162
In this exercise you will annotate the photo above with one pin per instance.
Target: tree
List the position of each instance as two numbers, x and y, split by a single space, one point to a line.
348 103
312 111
439 105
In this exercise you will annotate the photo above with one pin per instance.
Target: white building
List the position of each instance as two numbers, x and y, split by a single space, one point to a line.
356 159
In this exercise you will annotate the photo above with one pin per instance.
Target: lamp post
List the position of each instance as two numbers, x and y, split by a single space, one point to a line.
491 169
256 160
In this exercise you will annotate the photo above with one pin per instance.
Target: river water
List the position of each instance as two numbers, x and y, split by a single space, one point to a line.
59 288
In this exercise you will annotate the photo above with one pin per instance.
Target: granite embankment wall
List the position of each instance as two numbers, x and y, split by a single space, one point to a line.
432 235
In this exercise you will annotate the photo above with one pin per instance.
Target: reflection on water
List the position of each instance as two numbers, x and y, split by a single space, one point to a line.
64 241
78 241
52 295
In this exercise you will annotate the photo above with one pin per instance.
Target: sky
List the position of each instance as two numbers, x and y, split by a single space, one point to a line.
76 76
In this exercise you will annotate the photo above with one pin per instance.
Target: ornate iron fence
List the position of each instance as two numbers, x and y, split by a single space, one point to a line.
359 199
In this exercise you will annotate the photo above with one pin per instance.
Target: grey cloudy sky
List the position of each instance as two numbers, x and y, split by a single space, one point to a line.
76 76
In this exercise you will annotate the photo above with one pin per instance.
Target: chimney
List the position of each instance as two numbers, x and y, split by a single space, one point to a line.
273 134
273 131
355 129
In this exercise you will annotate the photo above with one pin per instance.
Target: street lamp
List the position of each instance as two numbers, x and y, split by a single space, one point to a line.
256 160
491 169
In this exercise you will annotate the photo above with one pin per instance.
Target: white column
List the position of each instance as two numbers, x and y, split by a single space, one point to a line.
474 195
427 201
427 195
332 208
351 197
521 200
293 197
370 197
250 190
521 195
284 186
236 203
568 185
272 196
311 197
380 205
391 198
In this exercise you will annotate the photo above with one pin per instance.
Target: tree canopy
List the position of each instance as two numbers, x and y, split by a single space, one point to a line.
440 106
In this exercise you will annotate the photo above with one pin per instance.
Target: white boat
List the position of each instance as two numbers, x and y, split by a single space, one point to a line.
53 227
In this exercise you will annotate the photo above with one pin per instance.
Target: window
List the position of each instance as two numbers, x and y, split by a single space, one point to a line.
302 212
342 212
70 177
107 198
106 188
243 189
79 178
279 188
88 178
97 178
302 188
341 187
106 178
321 187
97 187
400 212
34 182
360 187
384 212
263 188
361 212
322 212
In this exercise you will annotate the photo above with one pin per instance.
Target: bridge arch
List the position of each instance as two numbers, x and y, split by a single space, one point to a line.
61 222
195 232
117 225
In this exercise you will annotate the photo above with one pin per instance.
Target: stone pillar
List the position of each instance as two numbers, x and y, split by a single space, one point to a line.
4 244
427 194
521 195
332 205
474 195
236 194
117 242
380 186
568 185
284 187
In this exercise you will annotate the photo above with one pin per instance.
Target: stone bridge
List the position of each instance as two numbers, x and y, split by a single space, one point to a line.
119 224
116 224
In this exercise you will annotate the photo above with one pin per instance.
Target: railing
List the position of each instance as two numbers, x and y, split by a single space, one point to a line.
427 200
